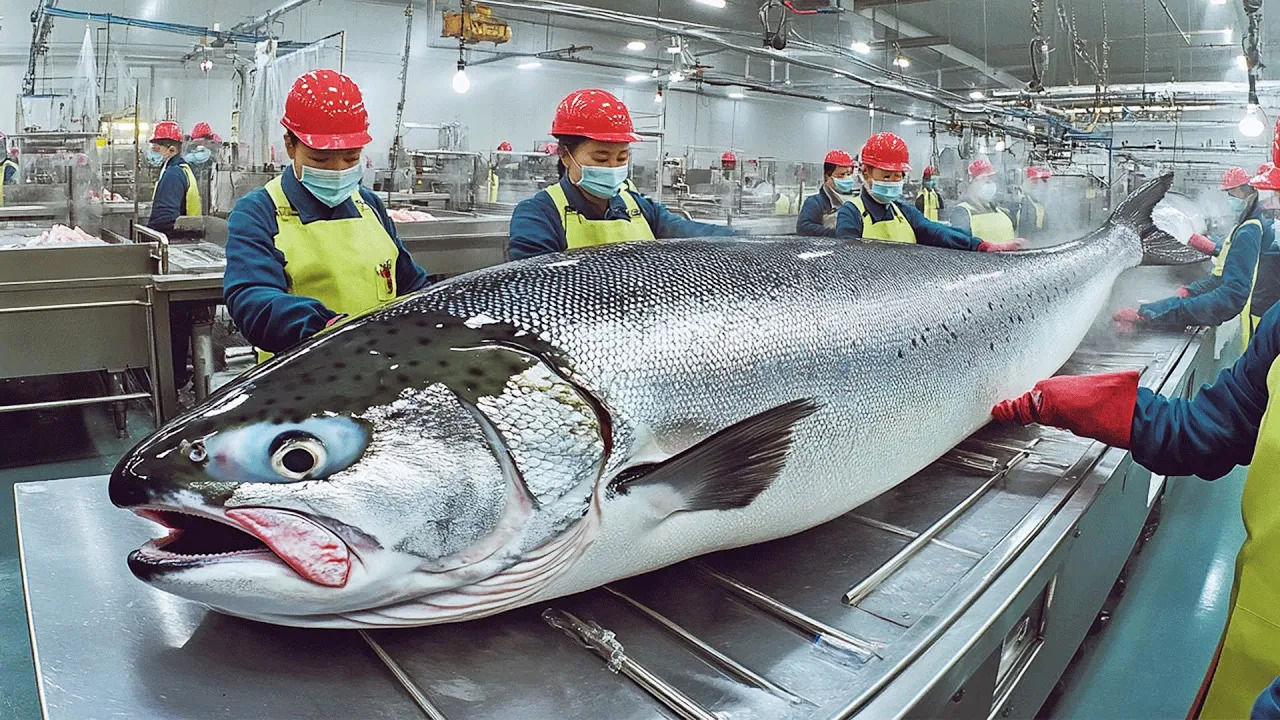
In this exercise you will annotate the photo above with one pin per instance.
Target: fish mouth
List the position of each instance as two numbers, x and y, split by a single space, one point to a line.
198 539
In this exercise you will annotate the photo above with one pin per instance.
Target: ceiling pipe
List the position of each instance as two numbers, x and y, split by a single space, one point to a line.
250 26
935 96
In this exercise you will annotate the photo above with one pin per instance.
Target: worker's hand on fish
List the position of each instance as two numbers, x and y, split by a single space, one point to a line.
1128 315
1094 406
1017 243
1203 243
1183 292
335 320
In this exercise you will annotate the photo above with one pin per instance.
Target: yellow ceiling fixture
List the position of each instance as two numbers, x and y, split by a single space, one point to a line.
475 23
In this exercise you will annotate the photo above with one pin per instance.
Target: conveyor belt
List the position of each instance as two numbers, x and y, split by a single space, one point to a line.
952 581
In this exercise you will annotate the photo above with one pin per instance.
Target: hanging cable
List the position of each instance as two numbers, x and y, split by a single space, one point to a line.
1039 48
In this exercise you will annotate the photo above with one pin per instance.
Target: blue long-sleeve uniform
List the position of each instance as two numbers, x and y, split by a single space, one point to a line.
10 171
171 196
1217 429
1223 301
815 207
849 224
255 286
1267 706
536 228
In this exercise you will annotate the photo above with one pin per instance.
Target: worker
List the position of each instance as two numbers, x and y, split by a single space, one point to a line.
978 213
1223 295
593 203
818 215
176 191
202 148
1266 279
11 167
1029 216
313 246
929 201
877 212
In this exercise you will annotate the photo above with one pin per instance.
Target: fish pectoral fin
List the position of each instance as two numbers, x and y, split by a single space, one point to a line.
725 471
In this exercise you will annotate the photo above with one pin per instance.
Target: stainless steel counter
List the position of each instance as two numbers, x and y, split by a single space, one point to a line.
962 592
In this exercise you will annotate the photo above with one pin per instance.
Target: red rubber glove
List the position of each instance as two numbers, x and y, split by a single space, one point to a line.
1183 292
335 320
985 246
1127 315
1202 243
1095 406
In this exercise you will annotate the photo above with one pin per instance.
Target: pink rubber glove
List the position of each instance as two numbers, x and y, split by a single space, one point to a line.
985 246
1183 292
1127 315
335 320
1202 243
1095 406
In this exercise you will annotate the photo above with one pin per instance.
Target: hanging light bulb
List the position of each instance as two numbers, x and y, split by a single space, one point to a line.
657 97
206 64
461 83
1000 145
1250 124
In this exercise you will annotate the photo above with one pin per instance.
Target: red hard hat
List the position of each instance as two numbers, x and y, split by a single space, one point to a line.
167 130
1234 178
595 114
326 111
930 172
839 158
1039 173
201 130
980 168
504 146
728 160
1268 178
13 151
551 148
887 152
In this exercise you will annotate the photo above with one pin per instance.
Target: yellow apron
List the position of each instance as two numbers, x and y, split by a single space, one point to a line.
993 227
895 229
493 187
580 232
348 264
191 206
1250 654
1039 221
1247 321
931 204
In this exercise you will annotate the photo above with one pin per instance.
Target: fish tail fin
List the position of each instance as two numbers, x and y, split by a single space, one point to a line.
1158 246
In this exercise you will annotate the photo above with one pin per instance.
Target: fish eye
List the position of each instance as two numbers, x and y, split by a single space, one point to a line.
296 455
197 453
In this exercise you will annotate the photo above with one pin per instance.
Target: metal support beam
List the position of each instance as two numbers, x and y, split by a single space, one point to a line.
907 30
907 41
868 4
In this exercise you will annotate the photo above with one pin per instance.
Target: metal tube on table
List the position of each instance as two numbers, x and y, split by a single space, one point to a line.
734 668
415 693
73 403
859 592
71 306
606 645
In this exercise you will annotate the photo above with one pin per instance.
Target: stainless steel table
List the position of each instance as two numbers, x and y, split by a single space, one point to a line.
962 592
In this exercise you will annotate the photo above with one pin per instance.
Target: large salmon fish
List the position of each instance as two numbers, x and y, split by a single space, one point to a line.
546 426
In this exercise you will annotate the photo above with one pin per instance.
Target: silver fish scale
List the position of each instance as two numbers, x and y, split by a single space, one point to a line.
679 339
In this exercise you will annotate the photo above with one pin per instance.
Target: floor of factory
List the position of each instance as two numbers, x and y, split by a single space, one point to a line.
1147 663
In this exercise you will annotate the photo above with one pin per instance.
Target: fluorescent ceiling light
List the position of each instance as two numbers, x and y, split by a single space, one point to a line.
713 3
637 78
637 46
835 108
909 121
976 95
736 94
861 48
654 73
1217 2
1226 35
675 76
531 65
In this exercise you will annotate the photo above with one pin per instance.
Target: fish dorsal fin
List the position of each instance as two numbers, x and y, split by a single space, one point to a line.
725 471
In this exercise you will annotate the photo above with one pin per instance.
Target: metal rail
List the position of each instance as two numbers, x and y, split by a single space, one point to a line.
73 306
415 693
75 402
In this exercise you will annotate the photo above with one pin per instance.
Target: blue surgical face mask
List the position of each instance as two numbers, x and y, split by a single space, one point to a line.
931 184
602 182
987 192
199 156
1237 204
154 159
885 192
331 187
844 185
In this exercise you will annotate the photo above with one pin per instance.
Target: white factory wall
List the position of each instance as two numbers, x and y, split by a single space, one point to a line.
504 104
